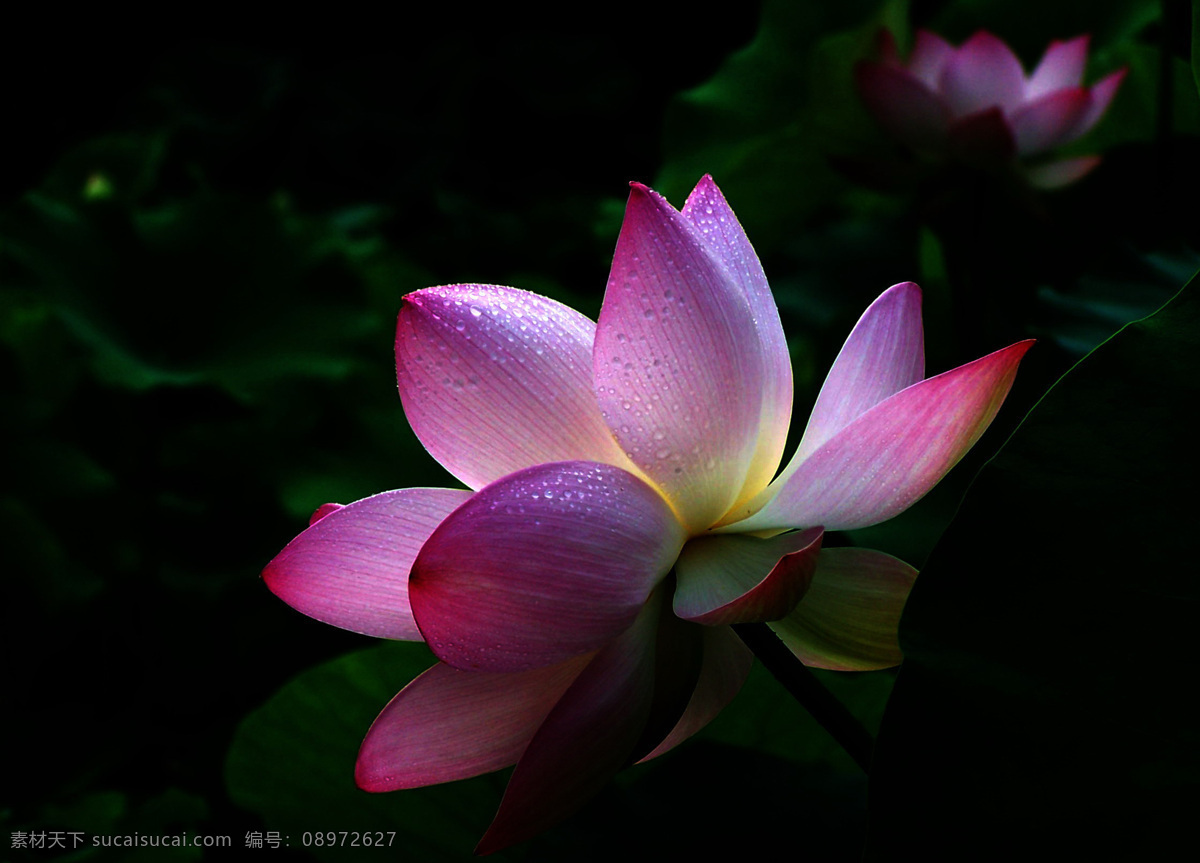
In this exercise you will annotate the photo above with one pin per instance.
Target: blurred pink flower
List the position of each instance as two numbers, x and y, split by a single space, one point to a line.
622 512
975 102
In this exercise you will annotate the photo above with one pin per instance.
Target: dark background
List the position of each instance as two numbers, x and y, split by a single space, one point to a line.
204 238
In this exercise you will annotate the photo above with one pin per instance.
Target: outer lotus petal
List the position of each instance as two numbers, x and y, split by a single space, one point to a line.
1049 121
677 372
849 618
888 458
929 57
450 724
1054 175
727 664
983 140
542 565
350 568
884 353
983 73
1102 94
586 739
1061 66
906 108
707 209
744 579
496 379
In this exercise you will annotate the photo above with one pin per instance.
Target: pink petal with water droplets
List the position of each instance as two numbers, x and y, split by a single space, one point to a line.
449 724
1061 66
542 565
849 619
350 568
588 736
982 73
496 379
887 459
743 579
678 369
929 57
727 664
1054 175
906 108
707 209
1049 121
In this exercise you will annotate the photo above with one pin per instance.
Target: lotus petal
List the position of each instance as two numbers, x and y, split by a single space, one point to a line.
674 379
1061 67
450 724
1050 121
588 736
744 579
904 106
848 620
496 379
983 73
884 461
1061 172
350 568
707 209
727 663
929 57
542 565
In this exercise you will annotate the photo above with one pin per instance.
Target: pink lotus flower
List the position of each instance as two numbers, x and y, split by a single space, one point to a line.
975 102
622 511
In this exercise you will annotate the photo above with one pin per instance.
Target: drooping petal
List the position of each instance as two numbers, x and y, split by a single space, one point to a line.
883 462
905 107
496 379
1061 66
983 73
707 209
743 579
677 367
1062 172
1102 93
450 724
1049 121
588 736
544 564
727 664
849 618
929 56
350 568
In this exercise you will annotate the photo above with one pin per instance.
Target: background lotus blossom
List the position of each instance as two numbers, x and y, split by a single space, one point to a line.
976 103
623 510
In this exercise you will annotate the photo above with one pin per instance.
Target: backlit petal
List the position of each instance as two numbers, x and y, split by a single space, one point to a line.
544 564
983 73
588 736
883 462
1049 121
1061 66
848 620
707 209
727 664
497 379
744 579
450 724
677 367
350 567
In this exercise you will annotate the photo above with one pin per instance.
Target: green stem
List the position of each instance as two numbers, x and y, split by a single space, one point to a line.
805 688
